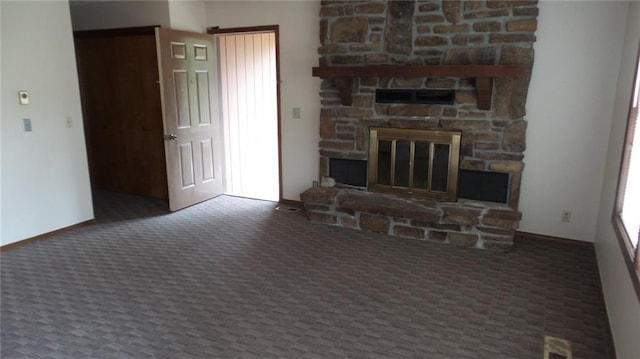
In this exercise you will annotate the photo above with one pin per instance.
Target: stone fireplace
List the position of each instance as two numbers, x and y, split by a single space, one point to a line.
479 52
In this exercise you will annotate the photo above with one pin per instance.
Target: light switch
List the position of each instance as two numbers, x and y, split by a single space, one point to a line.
26 122
24 97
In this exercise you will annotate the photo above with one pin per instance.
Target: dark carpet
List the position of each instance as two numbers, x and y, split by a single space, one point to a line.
234 278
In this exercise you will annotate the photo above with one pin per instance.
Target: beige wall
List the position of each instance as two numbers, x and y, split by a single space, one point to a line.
299 41
45 178
92 14
569 107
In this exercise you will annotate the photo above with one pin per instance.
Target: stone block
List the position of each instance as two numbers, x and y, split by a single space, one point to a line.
474 165
487 146
463 239
352 112
428 7
332 11
487 26
470 5
425 123
442 226
365 48
470 56
472 114
529 25
506 166
527 11
461 215
346 136
450 112
508 219
406 82
327 126
324 28
514 137
386 205
363 100
319 217
494 4
510 38
399 31
369 9
374 223
423 29
463 125
319 195
429 19
514 190
337 145
376 58
437 236
498 231
348 222
499 156
452 10
349 29
332 49
441 83
431 41
468 39
466 96
406 231
486 14
487 136
451 29
415 110
347 59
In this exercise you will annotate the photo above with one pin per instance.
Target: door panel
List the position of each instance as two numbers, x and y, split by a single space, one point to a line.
189 99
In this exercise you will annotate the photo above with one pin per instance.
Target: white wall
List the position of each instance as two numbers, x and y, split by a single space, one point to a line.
623 305
107 14
45 179
569 113
187 15
299 42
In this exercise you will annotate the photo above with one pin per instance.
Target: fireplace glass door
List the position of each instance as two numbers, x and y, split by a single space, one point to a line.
414 162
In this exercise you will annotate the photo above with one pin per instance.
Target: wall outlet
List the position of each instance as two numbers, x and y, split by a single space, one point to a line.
26 123
566 216
295 113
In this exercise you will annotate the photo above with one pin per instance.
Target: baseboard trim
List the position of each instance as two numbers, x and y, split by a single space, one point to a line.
28 241
543 237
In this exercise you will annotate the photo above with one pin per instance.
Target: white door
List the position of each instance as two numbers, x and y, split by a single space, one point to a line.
193 147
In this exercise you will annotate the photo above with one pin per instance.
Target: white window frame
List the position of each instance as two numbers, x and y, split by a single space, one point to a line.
629 238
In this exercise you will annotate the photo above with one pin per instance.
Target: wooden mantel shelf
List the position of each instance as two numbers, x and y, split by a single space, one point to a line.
484 75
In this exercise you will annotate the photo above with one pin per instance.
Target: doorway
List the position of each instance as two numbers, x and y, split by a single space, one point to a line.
249 103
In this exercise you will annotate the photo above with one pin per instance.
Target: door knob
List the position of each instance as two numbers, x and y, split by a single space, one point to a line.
170 137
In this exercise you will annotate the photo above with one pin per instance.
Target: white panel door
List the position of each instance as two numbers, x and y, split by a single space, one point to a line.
193 147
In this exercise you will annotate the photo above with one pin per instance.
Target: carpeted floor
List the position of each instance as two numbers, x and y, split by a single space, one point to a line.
234 278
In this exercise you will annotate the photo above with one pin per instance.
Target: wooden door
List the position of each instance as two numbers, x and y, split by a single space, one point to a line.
189 95
118 75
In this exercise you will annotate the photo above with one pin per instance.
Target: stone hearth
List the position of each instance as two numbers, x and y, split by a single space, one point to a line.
468 223
426 33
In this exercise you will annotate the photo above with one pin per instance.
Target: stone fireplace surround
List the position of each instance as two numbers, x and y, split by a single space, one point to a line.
432 33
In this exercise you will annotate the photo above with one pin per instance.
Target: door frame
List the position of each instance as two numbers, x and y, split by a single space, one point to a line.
276 30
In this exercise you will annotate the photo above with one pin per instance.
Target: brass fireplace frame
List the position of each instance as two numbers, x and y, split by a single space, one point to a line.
432 137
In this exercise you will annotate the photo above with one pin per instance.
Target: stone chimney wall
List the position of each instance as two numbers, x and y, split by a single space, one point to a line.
425 32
